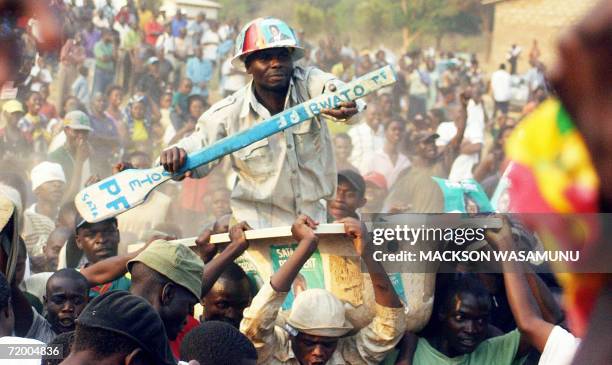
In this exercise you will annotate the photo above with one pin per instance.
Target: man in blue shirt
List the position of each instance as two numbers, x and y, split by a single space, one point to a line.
178 22
199 71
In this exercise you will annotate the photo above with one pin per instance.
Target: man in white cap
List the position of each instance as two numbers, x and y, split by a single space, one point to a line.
74 154
286 174
49 186
317 331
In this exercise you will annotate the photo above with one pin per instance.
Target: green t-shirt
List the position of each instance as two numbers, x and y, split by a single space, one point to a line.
181 100
498 350
102 49
122 283
63 157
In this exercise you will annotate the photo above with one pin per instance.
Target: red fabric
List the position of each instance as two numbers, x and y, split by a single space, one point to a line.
525 195
193 194
176 344
151 28
48 110
123 15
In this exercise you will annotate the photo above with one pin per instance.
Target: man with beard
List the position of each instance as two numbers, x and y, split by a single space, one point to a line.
66 296
286 174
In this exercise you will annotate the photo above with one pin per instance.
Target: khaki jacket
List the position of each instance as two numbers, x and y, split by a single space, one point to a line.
284 175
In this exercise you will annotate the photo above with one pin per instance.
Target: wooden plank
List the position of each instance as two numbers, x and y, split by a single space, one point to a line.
256 234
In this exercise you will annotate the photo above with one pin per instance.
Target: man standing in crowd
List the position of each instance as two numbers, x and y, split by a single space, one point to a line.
105 54
367 137
66 295
49 185
13 142
416 190
199 70
73 155
501 88
283 175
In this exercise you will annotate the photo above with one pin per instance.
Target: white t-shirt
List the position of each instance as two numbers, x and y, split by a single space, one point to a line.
365 143
474 133
167 43
446 131
232 81
381 163
11 340
210 43
500 83
560 348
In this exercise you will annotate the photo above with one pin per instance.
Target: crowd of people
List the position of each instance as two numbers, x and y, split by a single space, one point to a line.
137 86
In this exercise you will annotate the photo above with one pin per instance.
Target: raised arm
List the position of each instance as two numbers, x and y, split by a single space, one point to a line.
453 147
259 319
527 316
376 340
208 130
82 154
109 269
214 268
303 232
384 294
551 312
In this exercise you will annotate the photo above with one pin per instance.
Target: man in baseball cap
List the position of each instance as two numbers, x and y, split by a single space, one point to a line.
13 143
350 195
74 154
416 190
276 181
376 192
120 328
169 276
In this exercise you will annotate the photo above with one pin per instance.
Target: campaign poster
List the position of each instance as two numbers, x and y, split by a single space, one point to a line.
310 276
465 196
275 31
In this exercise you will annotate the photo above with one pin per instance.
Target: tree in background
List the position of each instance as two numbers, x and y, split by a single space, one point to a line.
371 21
310 18
438 18
241 9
